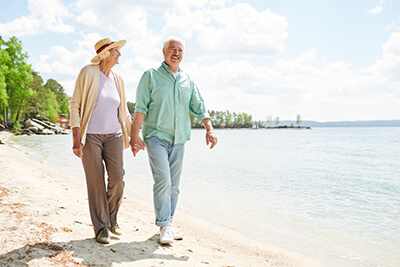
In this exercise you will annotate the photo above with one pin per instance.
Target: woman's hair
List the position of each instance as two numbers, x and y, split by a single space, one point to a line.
104 55
173 38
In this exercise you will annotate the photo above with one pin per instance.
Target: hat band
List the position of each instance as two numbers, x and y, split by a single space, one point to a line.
103 47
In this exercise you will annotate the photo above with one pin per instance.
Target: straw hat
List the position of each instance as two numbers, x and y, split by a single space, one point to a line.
104 45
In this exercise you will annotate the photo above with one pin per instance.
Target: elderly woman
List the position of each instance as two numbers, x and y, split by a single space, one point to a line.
101 126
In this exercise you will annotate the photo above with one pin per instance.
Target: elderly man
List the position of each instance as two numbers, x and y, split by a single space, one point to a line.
164 97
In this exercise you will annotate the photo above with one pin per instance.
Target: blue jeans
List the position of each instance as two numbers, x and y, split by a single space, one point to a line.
166 165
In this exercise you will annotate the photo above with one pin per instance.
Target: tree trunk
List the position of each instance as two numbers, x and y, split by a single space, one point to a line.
19 108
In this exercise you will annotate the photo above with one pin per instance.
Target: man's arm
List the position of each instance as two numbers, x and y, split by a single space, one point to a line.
211 137
136 142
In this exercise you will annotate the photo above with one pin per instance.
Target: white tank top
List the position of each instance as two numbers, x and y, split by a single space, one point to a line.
104 118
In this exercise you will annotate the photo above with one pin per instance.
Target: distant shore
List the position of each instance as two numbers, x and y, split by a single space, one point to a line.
45 221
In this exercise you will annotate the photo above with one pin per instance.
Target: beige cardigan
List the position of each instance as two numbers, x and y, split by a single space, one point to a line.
84 98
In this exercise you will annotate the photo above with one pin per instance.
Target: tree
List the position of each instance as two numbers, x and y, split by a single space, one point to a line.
212 116
277 121
228 118
235 118
61 96
21 89
49 100
36 103
4 58
52 108
131 108
247 118
220 117
269 121
18 76
298 120
192 119
240 119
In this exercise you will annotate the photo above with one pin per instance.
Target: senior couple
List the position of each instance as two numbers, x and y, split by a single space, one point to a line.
102 129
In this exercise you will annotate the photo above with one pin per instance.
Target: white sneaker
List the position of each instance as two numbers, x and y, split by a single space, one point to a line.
176 234
166 236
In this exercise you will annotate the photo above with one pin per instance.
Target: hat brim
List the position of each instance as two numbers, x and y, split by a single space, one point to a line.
119 44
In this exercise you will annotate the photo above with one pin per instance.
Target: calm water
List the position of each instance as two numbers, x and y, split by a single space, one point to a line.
333 193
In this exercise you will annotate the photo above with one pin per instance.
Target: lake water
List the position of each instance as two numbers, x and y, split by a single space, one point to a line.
332 193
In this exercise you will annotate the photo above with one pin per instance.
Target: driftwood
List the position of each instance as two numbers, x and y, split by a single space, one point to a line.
48 125
35 126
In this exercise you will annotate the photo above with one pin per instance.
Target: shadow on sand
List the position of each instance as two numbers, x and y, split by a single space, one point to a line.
90 252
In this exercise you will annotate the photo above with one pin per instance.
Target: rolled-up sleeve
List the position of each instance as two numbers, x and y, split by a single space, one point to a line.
196 105
143 94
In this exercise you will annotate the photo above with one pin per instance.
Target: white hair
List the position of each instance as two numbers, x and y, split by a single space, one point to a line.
173 38
104 55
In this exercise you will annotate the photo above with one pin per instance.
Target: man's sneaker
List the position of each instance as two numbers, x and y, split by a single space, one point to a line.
103 236
166 236
115 229
176 234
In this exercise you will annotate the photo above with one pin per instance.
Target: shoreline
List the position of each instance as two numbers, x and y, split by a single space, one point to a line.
45 220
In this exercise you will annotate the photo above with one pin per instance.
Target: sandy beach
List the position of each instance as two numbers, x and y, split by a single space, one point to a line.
44 221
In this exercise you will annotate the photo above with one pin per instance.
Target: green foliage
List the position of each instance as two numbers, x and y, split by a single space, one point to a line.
52 109
269 121
52 86
277 121
3 86
17 77
22 91
226 119
298 120
15 128
131 108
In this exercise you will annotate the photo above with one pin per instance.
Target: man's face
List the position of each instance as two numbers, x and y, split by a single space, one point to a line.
173 53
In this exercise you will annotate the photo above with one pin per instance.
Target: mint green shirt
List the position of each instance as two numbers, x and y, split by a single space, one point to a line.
166 102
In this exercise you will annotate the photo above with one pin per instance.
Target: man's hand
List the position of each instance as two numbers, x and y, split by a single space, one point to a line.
211 137
136 144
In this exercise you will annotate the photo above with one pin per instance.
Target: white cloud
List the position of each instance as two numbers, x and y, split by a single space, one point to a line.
329 92
123 18
64 65
240 30
224 49
378 8
44 16
388 65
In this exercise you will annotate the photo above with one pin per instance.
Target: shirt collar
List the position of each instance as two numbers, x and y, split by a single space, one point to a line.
167 68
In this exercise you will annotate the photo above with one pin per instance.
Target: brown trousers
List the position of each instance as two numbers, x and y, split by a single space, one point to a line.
104 200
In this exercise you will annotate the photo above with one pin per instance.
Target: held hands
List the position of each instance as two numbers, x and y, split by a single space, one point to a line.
136 144
211 137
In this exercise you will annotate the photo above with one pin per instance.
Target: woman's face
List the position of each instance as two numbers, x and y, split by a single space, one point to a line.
114 56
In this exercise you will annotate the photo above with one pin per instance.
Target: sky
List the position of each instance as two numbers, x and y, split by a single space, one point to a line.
325 60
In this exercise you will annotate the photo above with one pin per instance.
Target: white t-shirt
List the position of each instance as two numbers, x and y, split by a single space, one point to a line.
104 118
